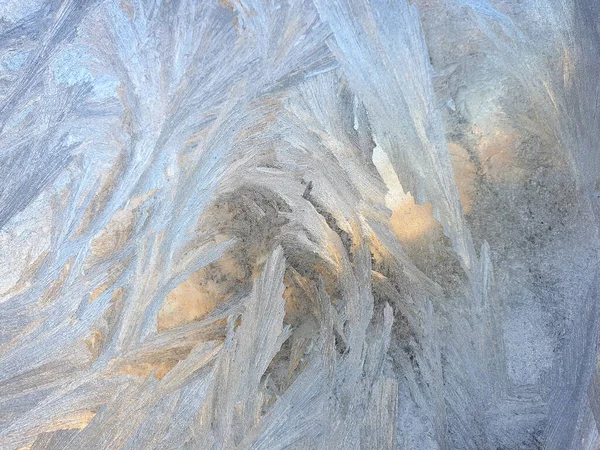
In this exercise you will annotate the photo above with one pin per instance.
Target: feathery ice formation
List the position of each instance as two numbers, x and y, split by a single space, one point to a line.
307 224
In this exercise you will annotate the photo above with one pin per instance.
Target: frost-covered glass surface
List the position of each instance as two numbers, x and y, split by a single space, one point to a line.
308 224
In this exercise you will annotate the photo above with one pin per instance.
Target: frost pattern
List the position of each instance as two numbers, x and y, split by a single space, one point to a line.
299 224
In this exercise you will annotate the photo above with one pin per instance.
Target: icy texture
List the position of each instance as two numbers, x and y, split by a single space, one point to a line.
328 224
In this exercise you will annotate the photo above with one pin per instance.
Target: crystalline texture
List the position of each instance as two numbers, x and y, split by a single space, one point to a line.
353 224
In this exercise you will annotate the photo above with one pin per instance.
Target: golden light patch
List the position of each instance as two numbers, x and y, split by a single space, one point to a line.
160 369
76 420
189 301
93 343
57 284
200 293
136 201
119 229
114 236
108 183
409 221
97 292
